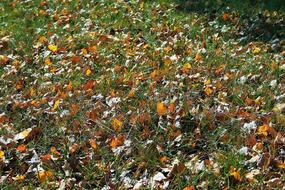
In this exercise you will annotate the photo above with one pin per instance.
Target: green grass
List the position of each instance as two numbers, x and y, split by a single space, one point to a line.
132 41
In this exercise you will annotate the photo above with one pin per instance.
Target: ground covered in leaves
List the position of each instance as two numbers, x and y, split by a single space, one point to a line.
140 95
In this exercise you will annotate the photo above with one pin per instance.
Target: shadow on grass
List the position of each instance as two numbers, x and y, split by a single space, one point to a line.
259 20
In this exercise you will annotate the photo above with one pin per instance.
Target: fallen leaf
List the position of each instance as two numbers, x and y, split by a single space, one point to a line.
93 143
198 57
21 148
48 61
52 48
88 72
73 148
256 50
189 188
265 130
186 67
54 151
235 173
44 175
208 90
23 134
171 107
2 155
19 178
55 105
117 124
161 108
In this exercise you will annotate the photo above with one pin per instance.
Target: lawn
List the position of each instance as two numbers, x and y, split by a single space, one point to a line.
154 94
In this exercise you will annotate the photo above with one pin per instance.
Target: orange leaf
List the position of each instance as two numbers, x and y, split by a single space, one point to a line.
44 175
225 16
164 159
93 143
208 90
46 158
48 61
117 141
189 188
4 59
73 148
236 174
89 85
161 108
69 86
171 107
54 151
21 148
198 57
73 109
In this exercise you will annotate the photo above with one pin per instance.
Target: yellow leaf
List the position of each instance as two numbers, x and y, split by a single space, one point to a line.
2 155
207 82
256 50
186 67
52 48
19 178
208 90
167 49
84 52
88 72
265 130
55 105
117 124
161 108
22 134
69 38
142 5
44 175
48 61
